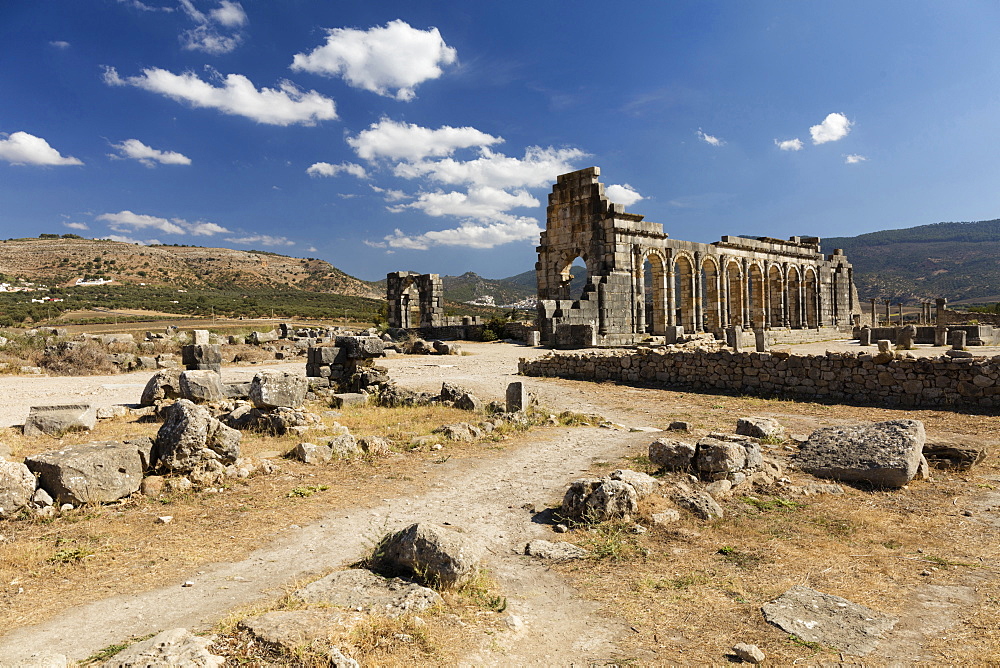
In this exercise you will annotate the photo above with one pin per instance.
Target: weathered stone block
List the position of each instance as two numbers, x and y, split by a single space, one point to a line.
57 420
96 472
202 386
271 389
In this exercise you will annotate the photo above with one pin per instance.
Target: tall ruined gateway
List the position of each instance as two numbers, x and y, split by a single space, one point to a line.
759 284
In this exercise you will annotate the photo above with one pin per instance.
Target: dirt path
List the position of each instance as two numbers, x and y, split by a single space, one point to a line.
483 496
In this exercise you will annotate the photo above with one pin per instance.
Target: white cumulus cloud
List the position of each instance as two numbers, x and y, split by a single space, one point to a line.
468 234
218 31
789 144
390 60
538 167
237 96
623 194
854 158
77 226
262 239
480 202
128 221
21 148
833 128
326 169
709 139
130 240
394 140
135 149
59 44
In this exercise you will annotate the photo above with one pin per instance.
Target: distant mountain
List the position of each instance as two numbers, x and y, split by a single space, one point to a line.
62 260
958 261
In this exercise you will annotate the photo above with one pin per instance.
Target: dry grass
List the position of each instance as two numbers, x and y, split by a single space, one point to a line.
90 553
693 590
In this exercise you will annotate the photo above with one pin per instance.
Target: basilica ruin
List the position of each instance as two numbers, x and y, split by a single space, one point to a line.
788 288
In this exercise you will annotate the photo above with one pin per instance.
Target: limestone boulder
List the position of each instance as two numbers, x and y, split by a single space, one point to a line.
362 590
360 347
343 446
57 420
257 338
598 500
700 504
202 387
271 389
312 453
174 647
17 486
97 472
439 556
190 435
760 427
716 459
883 454
461 431
558 551
293 629
671 455
642 483
164 384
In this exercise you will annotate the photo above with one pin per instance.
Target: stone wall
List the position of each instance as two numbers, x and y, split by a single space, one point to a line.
848 377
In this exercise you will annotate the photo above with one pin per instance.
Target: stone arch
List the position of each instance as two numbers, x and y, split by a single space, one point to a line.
776 294
736 288
756 295
563 270
653 302
794 297
414 300
711 294
684 275
811 298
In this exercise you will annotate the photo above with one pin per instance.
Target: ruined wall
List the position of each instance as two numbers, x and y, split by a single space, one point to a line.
923 382
750 283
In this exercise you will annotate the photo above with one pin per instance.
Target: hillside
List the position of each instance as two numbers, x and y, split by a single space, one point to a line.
61 261
952 260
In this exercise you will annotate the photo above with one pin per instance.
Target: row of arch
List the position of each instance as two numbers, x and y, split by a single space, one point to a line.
709 293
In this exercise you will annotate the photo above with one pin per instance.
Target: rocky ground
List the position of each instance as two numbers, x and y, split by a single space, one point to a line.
562 615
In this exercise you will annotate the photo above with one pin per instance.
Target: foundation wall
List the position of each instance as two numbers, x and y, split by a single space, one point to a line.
845 377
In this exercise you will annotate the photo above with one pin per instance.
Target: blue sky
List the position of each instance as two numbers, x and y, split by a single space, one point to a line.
383 136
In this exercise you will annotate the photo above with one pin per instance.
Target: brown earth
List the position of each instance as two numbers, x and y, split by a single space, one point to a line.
62 261
677 595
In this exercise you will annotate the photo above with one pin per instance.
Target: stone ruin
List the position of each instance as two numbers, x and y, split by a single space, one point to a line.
744 283
416 302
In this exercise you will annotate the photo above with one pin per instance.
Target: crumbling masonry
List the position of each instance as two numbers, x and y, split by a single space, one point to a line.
759 284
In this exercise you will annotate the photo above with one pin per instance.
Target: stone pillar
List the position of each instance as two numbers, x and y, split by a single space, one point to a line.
724 316
940 336
941 305
888 314
733 337
671 297
699 289
905 339
517 398
874 314
958 339
900 305
865 336
199 337
760 337
639 284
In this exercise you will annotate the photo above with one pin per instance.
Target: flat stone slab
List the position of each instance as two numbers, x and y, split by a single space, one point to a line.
293 629
362 590
56 420
829 620
560 550
885 454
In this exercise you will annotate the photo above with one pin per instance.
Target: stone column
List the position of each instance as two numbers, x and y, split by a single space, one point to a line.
941 305
888 314
874 314
699 289
671 296
958 339
900 305
639 281
724 319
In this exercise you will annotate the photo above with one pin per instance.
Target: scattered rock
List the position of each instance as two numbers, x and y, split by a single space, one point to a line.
176 647
310 453
440 556
57 420
343 446
190 435
345 399
760 427
671 455
96 472
884 454
17 485
679 425
948 453
359 589
598 500
716 459
375 446
749 653
643 483
829 620
548 550
461 431
202 387
701 504
666 517
163 385
271 389
152 486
